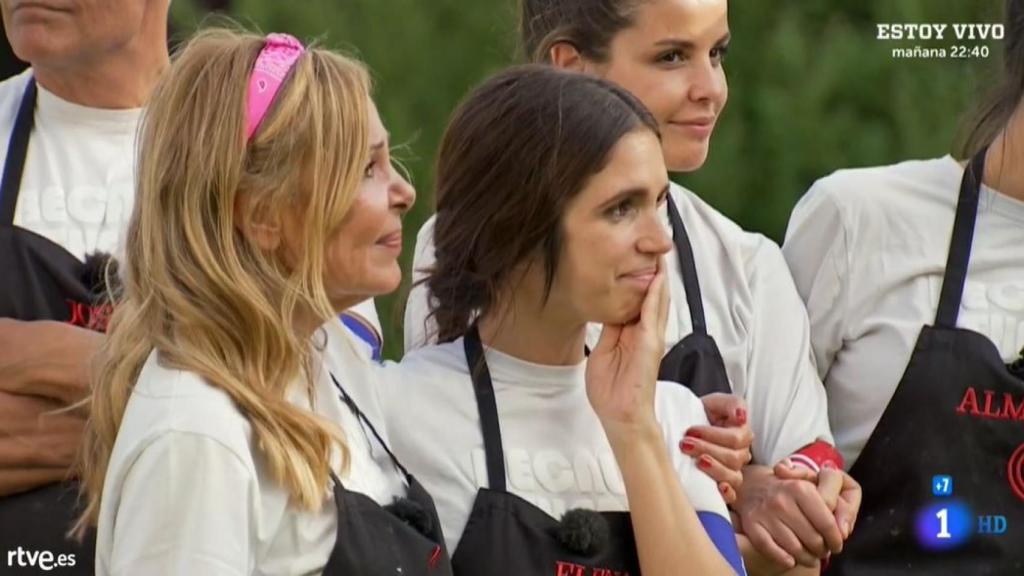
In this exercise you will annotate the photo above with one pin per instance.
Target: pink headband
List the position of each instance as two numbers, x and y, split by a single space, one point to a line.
275 60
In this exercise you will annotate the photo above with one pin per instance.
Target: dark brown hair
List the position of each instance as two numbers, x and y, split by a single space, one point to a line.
589 25
995 111
516 151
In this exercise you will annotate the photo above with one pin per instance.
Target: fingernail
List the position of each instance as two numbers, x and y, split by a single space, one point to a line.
787 463
687 446
741 415
693 433
724 489
846 529
704 462
829 465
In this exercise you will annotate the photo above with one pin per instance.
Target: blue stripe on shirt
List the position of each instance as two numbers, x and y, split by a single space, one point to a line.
721 533
364 333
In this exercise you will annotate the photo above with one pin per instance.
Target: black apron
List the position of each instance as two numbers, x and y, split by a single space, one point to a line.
373 541
952 414
695 360
508 536
41 281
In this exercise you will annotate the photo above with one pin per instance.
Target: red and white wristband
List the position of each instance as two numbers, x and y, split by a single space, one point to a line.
818 455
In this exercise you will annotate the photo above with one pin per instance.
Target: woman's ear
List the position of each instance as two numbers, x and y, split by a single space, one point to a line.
257 225
564 55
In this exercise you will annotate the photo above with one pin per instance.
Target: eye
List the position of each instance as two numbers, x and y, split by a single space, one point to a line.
671 57
622 210
663 197
370 169
718 53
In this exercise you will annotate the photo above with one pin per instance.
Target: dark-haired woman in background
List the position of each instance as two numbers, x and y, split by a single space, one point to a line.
913 276
506 421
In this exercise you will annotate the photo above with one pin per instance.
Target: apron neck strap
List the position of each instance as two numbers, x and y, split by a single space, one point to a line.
17 149
955 276
487 407
687 268
366 421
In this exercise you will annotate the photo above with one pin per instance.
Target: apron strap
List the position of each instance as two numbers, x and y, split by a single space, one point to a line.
687 268
487 407
362 417
17 149
955 276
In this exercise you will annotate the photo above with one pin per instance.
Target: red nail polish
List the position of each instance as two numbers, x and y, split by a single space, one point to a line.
741 415
693 433
687 446
724 489
704 462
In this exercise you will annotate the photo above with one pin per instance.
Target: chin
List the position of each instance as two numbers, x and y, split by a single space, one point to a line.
685 156
383 281
619 313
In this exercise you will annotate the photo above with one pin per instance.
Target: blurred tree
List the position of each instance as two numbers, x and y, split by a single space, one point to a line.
812 89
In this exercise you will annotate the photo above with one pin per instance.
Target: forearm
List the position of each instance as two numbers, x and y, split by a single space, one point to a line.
670 538
22 480
48 359
38 442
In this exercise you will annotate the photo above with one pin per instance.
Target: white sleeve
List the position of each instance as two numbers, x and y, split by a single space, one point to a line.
700 488
787 402
187 506
677 410
816 250
418 332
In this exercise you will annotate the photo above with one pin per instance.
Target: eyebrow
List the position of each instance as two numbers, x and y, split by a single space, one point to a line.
628 194
382 143
688 45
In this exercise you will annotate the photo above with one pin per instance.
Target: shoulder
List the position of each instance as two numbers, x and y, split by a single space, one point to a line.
860 195
748 250
425 373
436 359
179 403
11 91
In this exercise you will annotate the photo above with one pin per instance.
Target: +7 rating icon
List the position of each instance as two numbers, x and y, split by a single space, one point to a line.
942 485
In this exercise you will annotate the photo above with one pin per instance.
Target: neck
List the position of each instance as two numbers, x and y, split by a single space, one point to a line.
522 328
1003 170
120 80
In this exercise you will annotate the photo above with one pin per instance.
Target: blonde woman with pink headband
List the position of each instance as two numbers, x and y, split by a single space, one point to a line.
221 439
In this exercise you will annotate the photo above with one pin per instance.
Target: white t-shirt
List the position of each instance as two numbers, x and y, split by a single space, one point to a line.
556 453
187 491
78 185
752 310
868 249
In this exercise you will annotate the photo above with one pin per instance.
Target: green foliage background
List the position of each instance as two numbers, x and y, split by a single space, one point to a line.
811 89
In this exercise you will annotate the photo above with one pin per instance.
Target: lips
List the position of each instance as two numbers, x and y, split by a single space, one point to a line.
702 121
643 276
392 240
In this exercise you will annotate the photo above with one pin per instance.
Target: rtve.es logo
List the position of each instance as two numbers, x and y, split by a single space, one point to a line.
42 559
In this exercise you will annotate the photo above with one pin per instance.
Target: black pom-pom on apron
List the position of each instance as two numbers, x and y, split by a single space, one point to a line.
401 539
957 411
507 535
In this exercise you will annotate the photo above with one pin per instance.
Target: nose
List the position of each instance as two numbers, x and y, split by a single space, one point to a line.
654 239
401 194
707 83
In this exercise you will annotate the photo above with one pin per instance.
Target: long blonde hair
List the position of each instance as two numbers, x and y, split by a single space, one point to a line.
198 292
